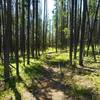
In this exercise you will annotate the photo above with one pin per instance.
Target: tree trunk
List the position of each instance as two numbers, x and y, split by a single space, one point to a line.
71 30
28 33
17 40
82 33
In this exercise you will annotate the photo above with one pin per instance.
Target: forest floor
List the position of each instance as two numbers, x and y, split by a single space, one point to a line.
52 78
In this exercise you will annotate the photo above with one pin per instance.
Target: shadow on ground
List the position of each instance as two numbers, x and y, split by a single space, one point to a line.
12 85
46 82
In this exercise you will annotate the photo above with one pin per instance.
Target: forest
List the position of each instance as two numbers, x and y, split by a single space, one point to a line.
49 55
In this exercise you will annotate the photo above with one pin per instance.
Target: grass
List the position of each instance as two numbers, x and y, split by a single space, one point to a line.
83 80
90 78
14 88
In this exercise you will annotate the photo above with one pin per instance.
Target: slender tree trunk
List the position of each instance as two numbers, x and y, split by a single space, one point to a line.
0 33
33 41
17 40
10 33
44 26
28 33
6 39
82 33
22 34
75 31
56 36
37 45
71 30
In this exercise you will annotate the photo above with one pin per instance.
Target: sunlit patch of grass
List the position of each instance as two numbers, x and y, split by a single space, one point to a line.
96 82
1 71
50 50
79 90
4 95
58 56
62 56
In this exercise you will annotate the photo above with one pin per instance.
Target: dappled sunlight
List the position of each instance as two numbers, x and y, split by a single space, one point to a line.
43 79
49 50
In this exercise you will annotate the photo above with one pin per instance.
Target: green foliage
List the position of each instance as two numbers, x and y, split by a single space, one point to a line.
83 80
92 7
67 32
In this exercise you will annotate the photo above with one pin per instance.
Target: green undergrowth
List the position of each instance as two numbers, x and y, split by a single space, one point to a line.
84 80
88 80
15 88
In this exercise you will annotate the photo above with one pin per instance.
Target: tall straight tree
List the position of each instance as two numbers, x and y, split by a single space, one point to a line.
82 33
10 32
44 25
78 26
28 32
17 40
75 30
0 31
56 35
62 24
33 37
6 38
22 34
71 29
37 44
